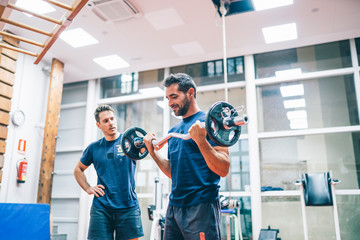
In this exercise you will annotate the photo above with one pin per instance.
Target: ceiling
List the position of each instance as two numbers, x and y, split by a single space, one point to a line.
197 33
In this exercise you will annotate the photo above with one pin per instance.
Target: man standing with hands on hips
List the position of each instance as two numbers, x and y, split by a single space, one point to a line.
194 166
115 207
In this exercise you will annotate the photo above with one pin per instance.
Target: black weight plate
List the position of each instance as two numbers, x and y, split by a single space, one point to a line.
215 128
132 143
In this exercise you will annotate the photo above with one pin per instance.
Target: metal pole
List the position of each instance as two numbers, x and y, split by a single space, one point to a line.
223 12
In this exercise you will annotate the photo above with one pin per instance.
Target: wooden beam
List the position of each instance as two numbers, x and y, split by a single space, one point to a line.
4 118
6 62
21 25
50 132
20 9
6 90
5 104
59 4
2 146
2 161
3 132
77 6
6 77
18 49
22 39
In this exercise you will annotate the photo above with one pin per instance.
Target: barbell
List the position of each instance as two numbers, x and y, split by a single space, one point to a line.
222 124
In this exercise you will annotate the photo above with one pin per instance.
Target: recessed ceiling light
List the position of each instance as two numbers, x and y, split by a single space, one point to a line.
267 4
295 103
280 33
188 48
111 62
288 73
292 90
164 19
78 38
37 6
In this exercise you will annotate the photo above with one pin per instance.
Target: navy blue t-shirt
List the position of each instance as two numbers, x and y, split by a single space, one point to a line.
192 180
115 172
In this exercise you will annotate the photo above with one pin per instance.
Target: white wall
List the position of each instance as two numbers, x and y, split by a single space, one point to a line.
29 95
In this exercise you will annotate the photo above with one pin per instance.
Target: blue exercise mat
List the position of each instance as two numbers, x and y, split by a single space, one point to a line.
24 221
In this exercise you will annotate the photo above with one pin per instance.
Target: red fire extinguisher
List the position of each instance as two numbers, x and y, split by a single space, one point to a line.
21 170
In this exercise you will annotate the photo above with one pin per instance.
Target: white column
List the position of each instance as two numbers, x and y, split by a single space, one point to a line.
254 160
85 200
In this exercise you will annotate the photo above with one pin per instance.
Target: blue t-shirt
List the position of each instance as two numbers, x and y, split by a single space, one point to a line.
192 180
115 172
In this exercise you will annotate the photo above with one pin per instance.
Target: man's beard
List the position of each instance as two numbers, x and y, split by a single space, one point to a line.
183 110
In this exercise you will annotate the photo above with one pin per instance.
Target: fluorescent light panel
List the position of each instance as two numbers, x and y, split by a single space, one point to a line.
37 6
292 90
111 62
295 103
78 38
267 4
164 19
280 33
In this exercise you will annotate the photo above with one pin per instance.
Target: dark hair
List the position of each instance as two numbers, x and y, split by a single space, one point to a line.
102 108
184 81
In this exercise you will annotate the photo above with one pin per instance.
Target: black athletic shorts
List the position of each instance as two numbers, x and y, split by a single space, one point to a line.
198 222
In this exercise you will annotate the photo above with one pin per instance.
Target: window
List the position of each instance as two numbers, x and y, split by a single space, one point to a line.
357 44
119 85
315 103
207 73
321 57
74 92
284 159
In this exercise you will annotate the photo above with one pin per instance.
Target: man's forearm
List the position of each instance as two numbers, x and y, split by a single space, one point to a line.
81 179
216 158
163 163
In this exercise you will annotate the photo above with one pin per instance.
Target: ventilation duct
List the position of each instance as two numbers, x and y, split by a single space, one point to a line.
113 10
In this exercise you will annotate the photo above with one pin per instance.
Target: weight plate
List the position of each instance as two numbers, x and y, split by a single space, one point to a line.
132 143
215 127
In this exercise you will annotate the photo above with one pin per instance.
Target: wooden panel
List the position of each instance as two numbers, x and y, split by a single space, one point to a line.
2 146
7 77
2 158
10 53
1 175
5 104
8 63
4 118
3 132
50 132
6 90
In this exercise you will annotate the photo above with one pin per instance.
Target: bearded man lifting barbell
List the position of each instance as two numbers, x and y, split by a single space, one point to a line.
195 167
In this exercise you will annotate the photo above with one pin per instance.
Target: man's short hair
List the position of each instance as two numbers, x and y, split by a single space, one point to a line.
102 108
184 81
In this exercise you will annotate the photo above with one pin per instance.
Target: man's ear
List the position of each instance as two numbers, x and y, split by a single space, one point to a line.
98 124
191 92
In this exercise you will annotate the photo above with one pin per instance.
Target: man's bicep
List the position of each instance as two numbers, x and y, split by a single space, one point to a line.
82 166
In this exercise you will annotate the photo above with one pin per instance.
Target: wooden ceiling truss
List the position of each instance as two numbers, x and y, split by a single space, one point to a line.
59 25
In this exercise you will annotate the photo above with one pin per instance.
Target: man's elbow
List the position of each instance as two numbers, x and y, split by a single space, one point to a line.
225 171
